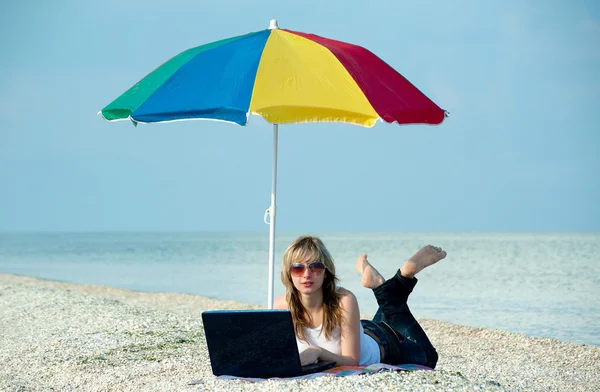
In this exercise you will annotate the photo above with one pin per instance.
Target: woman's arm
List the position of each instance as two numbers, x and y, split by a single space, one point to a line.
280 303
350 329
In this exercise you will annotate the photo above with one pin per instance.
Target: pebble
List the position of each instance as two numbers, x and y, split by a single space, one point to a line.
60 336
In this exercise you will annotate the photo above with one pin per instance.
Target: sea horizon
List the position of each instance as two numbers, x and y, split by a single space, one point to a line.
475 285
266 230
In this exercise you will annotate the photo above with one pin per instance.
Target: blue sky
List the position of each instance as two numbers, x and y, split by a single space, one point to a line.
519 153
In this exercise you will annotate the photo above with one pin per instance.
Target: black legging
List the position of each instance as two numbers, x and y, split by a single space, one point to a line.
400 334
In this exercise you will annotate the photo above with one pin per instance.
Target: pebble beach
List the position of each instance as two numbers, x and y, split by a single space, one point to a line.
69 337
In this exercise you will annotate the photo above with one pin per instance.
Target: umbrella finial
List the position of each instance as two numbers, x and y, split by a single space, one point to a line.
273 24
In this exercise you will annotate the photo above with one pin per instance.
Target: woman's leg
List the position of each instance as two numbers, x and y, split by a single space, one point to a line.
412 344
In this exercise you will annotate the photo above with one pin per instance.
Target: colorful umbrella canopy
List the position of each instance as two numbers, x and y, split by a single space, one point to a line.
282 75
285 77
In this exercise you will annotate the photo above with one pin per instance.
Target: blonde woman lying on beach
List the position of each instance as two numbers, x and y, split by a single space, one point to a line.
327 318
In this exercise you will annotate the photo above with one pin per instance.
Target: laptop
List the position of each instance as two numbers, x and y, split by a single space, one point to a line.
254 343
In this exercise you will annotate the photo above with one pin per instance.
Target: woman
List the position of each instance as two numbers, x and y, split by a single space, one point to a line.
327 318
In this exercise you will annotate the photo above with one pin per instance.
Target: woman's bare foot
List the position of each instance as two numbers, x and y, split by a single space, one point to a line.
425 257
371 278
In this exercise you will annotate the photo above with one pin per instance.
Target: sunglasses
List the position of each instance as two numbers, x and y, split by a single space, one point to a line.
297 269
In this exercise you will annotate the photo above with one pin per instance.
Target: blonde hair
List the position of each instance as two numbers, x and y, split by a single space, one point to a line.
311 249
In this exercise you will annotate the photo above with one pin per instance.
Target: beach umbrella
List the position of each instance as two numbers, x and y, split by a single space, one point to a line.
284 76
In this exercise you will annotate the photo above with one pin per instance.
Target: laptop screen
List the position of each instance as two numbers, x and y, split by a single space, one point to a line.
252 343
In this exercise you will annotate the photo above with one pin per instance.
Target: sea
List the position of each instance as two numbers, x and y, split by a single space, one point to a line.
537 284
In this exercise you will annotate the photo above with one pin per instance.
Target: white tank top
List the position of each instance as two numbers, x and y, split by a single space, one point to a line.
369 350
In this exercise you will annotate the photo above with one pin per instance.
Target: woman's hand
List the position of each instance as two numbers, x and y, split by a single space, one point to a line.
310 355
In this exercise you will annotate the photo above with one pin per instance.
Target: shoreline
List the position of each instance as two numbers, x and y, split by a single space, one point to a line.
67 336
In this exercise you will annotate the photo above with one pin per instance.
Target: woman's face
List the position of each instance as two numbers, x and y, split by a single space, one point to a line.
308 276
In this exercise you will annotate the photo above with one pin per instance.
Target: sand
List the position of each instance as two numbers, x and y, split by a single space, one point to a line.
62 337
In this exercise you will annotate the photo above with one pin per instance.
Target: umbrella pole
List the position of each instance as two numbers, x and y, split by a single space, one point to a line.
272 215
